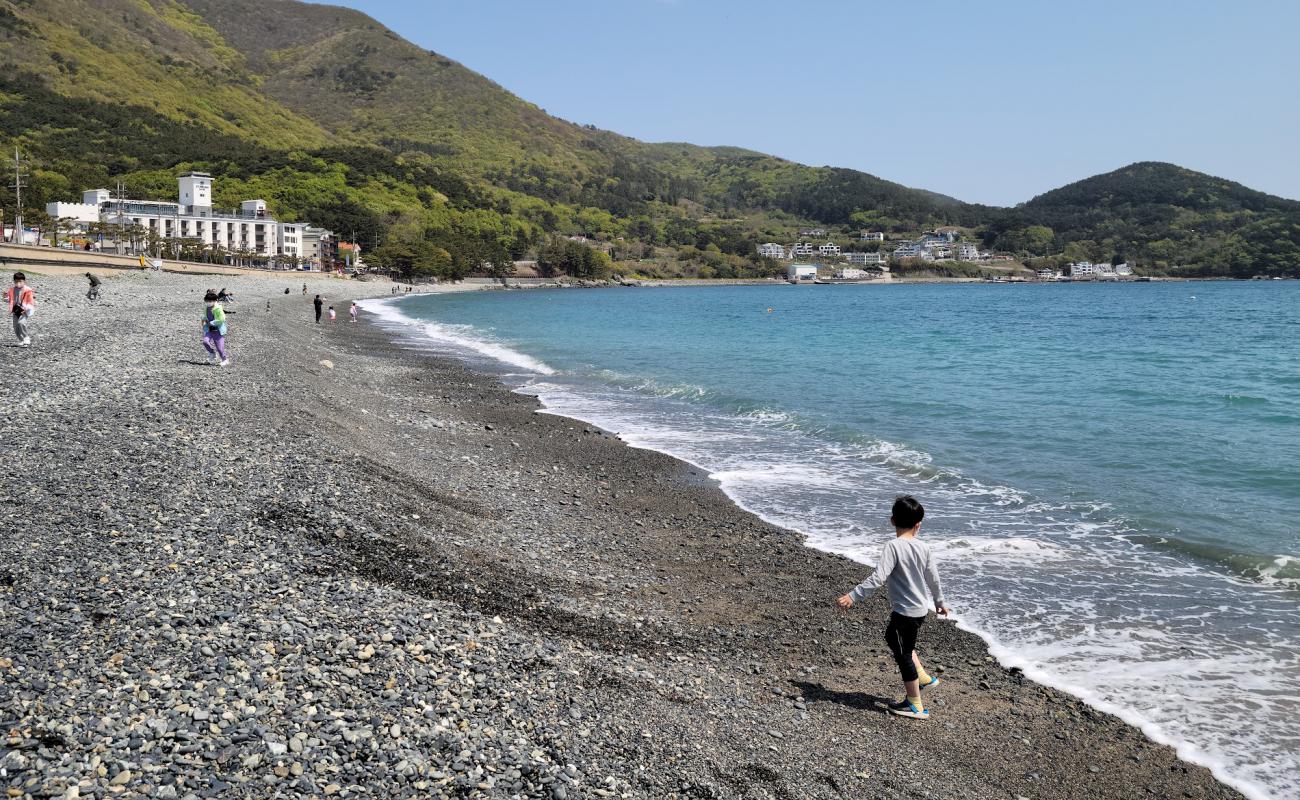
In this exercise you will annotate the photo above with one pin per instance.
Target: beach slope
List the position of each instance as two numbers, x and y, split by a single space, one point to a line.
341 567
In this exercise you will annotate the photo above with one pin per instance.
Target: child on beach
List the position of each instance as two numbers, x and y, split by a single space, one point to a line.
21 302
906 566
331 313
214 328
352 312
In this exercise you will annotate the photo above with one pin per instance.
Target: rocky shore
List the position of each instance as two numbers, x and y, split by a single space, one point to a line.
344 568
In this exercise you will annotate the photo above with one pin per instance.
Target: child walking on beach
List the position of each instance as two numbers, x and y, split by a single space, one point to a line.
352 312
906 566
332 314
21 301
214 328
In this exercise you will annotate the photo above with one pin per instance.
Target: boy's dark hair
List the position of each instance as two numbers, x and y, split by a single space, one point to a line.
18 276
210 297
907 513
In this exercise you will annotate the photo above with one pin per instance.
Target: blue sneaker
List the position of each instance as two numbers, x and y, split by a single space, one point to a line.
904 708
934 681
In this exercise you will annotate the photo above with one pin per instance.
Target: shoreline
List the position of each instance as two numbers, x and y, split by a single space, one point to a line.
443 570
1005 657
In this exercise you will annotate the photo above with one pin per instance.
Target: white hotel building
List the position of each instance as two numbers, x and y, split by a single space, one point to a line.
250 228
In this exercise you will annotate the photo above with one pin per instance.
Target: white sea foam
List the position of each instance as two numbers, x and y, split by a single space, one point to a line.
1011 549
454 337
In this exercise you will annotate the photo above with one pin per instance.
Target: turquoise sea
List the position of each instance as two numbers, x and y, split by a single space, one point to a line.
1111 472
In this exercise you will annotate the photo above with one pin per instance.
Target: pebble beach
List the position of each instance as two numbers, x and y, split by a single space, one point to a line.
342 567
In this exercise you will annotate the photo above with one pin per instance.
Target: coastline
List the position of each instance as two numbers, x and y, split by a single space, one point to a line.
626 617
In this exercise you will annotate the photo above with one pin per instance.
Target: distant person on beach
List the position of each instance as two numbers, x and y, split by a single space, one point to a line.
304 289
93 294
331 313
906 567
319 304
286 290
214 329
20 299
352 312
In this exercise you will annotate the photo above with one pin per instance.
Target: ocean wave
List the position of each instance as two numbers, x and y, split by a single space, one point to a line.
454 337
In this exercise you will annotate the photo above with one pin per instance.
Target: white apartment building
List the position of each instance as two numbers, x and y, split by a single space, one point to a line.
802 249
1104 270
872 236
1081 269
829 249
910 250
801 272
1123 270
967 252
866 259
1046 275
250 228
772 250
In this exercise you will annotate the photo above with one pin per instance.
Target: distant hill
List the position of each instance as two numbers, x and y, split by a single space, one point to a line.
333 117
1166 217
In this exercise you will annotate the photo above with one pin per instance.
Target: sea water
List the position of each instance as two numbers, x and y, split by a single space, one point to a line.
1111 472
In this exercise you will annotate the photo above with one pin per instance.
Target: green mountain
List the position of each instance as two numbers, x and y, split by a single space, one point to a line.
1166 218
332 117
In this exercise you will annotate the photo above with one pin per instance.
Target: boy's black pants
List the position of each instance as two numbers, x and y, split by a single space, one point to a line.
901 638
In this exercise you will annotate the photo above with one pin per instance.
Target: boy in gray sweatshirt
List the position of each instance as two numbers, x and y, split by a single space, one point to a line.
906 567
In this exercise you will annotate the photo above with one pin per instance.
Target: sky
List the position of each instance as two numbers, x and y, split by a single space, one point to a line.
990 102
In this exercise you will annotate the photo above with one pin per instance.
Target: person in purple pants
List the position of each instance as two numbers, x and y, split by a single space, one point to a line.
214 329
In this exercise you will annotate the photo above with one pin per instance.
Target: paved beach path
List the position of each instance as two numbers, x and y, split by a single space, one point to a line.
343 568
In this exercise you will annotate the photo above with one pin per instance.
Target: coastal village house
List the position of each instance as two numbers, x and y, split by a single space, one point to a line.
829 249
248 229
872 236
772 250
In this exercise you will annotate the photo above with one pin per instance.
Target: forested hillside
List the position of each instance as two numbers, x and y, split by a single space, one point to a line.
333 118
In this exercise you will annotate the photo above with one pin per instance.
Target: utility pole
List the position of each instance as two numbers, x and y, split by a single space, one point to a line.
18 197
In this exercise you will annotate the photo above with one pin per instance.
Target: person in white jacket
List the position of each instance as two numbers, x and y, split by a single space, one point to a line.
906 568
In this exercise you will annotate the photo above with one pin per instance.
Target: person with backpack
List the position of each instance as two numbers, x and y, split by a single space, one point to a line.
214 329
93 294
20 299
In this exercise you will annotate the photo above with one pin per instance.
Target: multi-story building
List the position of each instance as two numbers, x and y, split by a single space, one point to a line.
872 236
829 249
1123 270
866 259
965 251
802 249
910 250
1046 275
248 229
1081 269
772 250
